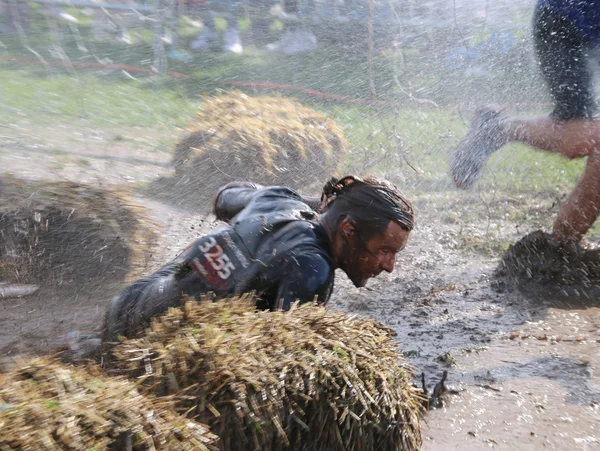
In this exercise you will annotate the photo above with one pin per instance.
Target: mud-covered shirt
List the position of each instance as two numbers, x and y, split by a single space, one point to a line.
273 246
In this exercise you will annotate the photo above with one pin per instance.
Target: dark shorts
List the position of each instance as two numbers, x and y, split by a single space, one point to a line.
564 56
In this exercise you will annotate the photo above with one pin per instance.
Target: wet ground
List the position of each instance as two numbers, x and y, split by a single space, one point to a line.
522 368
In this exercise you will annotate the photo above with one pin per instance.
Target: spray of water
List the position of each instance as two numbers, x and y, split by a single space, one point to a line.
102 93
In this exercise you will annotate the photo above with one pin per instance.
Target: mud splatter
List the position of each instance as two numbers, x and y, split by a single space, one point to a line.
536 263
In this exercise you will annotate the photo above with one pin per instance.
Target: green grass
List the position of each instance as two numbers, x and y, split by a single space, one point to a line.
337 69
429 136
58 98
522 169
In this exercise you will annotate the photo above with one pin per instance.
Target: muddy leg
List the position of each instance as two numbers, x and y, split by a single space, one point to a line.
583 205
572 139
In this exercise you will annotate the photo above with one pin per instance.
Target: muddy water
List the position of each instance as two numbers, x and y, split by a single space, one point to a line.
526 393
523 369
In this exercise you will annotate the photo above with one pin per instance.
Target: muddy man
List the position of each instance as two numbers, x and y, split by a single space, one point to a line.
567 36
276 245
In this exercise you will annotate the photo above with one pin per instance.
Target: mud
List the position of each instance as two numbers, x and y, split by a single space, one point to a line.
538 264
522 368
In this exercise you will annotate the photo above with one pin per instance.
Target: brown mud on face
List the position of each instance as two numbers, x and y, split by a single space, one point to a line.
538 265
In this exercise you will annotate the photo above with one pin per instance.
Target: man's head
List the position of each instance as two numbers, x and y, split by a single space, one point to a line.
369 221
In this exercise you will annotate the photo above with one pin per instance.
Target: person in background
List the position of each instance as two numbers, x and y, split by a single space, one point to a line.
566 35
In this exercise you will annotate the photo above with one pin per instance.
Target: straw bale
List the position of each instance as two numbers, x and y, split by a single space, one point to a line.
65 234
45 405
308 379
270 140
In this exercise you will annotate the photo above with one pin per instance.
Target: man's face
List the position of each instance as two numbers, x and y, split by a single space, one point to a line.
361 261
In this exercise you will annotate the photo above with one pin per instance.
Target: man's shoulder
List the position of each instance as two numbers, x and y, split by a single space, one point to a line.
277 194
315 262
314 271
306 243
279 203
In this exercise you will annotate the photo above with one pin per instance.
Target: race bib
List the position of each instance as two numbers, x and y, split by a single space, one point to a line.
220 261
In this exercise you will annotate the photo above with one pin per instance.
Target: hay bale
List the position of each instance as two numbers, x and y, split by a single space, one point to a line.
64 234
267 139
309 379
48 406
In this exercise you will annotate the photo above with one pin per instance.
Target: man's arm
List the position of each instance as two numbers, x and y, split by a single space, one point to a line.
235 196
307 278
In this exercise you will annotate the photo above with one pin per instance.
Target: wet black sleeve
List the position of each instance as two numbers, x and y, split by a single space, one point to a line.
233 198
307 278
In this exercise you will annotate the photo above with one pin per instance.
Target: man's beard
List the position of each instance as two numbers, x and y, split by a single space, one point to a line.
352 262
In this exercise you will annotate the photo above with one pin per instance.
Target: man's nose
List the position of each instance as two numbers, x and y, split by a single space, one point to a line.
388 263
